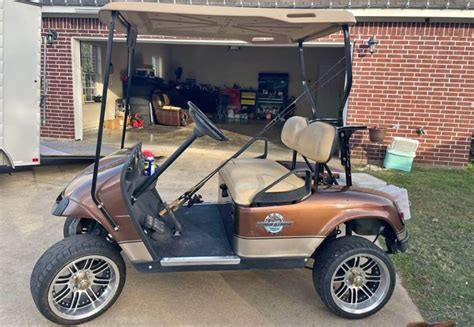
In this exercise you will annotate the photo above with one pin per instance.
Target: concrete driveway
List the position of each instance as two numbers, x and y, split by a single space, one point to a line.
273 297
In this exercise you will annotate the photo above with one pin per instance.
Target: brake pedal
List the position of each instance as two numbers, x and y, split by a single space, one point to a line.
178 229
154 224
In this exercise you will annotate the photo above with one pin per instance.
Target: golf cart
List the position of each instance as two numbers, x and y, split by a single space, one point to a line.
269 214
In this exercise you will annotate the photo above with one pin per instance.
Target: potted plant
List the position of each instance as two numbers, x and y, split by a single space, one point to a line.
377 134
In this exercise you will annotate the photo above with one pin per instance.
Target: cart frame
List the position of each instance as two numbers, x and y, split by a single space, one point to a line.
344 133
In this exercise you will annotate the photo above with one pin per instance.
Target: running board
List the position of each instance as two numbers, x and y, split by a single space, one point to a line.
200 261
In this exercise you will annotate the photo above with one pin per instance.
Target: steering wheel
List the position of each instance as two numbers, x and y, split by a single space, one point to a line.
204 125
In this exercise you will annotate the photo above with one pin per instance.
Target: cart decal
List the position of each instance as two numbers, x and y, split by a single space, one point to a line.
274 223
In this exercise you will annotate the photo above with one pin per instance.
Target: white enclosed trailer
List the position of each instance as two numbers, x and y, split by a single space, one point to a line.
20 71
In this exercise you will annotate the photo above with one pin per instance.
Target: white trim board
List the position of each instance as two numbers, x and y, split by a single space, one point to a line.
77 88
363 14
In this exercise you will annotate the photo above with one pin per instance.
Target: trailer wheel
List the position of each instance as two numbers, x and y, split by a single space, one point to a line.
353 277
77 279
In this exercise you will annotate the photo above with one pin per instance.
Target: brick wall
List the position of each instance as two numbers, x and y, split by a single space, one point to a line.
421 75
60 103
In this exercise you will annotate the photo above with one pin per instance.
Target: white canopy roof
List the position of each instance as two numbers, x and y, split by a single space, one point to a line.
253 25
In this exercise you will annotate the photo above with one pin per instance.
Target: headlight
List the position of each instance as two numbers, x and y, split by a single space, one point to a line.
60 205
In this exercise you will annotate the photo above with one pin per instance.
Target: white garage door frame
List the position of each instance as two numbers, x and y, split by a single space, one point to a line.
76 59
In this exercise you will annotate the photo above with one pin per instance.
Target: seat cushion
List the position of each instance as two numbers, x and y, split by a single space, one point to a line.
246 177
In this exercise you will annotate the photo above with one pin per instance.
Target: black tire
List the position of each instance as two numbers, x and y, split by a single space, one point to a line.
332 255
57 257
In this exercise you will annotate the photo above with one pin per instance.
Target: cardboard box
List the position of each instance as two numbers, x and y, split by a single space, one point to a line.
112 123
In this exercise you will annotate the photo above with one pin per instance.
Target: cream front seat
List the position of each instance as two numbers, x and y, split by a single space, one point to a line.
245 178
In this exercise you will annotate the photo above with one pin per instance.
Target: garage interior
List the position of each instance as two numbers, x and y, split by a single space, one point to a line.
239 86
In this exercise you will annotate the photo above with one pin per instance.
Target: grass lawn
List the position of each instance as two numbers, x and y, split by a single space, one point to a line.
438 269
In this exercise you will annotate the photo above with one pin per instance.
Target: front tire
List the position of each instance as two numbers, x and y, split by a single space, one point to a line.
77 279
353 277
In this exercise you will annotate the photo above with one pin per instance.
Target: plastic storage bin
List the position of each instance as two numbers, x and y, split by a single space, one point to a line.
398 160
400 154
404 145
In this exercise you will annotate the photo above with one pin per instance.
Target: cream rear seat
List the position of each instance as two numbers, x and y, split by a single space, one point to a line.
245 178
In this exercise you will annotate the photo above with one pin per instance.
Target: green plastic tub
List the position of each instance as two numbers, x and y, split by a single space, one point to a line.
398 160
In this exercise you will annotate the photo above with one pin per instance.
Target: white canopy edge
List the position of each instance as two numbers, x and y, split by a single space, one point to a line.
252 25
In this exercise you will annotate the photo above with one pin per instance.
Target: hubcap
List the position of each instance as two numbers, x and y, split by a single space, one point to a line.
83 287
360 283
82 280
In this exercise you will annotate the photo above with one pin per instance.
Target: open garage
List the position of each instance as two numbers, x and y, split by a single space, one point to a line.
237 85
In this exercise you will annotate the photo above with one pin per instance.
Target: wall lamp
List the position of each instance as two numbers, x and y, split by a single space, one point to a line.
372 42
51 36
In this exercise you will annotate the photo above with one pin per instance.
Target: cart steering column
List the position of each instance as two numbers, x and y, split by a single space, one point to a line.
204 126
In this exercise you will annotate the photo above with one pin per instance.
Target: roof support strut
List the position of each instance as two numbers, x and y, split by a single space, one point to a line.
131 43
348 85
345 132
306 89
108 63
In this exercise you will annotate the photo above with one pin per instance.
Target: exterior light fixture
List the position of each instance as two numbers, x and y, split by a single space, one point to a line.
51 36
372 42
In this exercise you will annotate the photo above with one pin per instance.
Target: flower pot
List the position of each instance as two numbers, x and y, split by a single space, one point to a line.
377 135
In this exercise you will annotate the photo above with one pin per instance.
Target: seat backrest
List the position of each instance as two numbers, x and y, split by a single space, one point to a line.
166 99
159 100
315 141
291 130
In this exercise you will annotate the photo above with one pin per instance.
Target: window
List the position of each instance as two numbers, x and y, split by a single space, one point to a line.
157 63
90 71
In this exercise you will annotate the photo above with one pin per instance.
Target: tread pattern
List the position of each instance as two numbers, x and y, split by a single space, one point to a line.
329 258
54 259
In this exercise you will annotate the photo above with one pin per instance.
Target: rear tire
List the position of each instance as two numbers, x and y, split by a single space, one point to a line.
77 279
353 277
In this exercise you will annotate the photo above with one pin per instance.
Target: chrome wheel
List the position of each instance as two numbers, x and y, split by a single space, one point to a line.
83 287
360 283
